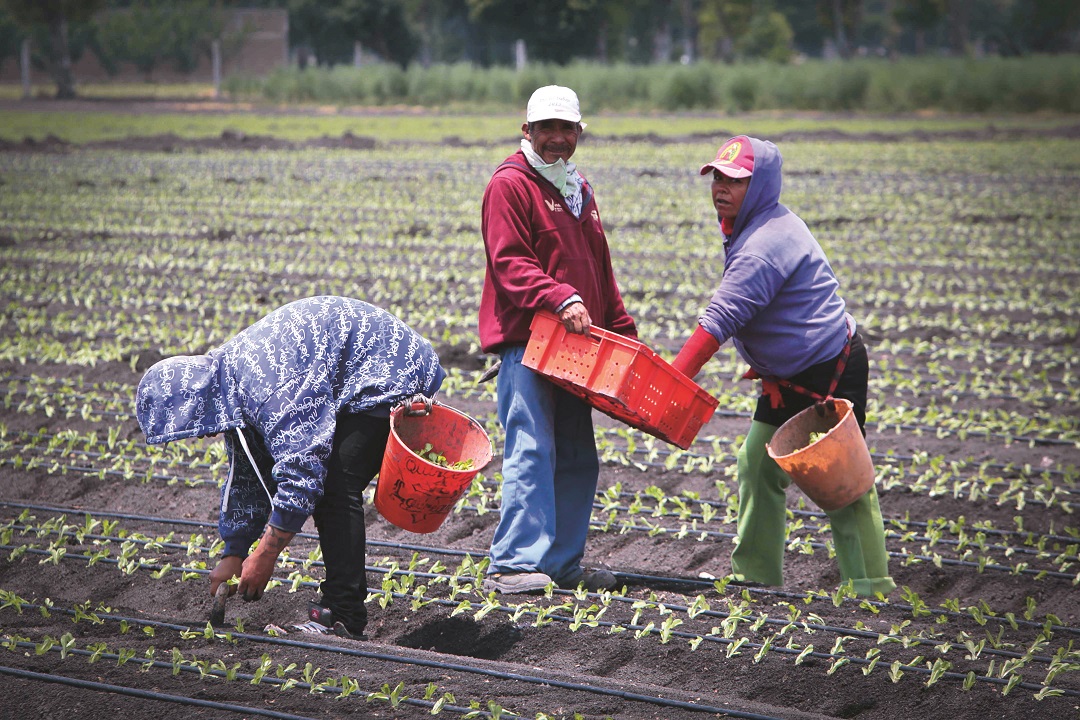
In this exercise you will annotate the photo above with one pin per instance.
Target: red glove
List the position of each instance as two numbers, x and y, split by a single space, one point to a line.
695 352
770 388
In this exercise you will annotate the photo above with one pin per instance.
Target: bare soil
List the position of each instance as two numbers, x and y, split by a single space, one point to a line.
523 664
663 567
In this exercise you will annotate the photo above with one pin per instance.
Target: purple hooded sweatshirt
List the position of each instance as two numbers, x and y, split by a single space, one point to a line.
778 299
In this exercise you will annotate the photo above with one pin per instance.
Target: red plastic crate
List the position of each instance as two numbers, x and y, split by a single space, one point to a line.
620 377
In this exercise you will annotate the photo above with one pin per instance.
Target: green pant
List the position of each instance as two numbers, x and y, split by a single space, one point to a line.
858 531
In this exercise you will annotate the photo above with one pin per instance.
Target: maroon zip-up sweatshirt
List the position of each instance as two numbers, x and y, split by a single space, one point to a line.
539 254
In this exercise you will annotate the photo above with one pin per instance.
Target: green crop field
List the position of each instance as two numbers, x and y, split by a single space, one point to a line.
956 242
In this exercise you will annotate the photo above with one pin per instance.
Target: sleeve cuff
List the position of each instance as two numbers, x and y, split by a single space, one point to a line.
288 520
568 301
237 547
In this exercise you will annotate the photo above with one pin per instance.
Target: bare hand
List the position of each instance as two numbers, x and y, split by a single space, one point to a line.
575 318
259 566
227 568
258 569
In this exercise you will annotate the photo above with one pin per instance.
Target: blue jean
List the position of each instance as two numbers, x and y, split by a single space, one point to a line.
550 469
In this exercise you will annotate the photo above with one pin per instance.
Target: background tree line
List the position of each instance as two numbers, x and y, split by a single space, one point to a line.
152 33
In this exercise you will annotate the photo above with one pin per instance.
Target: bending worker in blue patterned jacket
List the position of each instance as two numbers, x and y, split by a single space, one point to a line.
303 398
779 302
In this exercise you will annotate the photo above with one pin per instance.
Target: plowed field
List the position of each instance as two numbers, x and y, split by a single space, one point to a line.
959 256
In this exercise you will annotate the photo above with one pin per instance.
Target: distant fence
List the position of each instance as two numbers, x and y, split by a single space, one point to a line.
264 47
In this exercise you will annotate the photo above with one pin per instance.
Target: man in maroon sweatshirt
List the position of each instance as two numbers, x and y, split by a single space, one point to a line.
546 249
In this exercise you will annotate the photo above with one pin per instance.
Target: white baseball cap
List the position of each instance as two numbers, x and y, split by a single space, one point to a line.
554 102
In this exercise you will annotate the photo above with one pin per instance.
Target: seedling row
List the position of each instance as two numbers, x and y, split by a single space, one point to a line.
961 274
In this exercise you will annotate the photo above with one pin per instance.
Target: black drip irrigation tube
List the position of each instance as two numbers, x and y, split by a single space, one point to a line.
426 704
989 496
1029 482
709 613
920 428
727 535
656 579
170 479
191 483
874 455
160 476
456 667
119 473
204 524
891 553
814 514
853 632
817 515
146 694
956 676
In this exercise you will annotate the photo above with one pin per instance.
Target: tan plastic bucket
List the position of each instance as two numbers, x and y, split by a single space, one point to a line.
414 493
836 470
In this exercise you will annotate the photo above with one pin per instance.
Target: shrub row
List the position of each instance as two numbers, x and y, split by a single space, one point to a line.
1030 84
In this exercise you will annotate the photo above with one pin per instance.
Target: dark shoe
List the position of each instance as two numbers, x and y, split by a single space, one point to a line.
516 582
341 631
594 580
320 616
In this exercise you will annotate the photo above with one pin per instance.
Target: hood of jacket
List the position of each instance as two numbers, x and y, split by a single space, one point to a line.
186 396
763 194
301 364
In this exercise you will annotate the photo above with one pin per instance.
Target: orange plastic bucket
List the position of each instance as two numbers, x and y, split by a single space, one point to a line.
836 470
414 493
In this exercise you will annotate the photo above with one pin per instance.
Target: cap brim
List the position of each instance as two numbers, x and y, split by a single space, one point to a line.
730 170
557 116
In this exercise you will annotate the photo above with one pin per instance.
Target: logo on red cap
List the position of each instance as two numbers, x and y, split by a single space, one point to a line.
729 152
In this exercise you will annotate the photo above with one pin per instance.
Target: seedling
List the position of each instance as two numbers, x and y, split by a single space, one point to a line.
433 456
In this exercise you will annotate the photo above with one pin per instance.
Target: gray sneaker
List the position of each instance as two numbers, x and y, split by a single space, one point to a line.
516 582
312 627
593 580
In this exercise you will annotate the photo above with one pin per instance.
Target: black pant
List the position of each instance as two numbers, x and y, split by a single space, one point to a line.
359 444
852 386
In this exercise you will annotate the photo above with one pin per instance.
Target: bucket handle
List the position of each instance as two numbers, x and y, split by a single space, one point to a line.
418 405
826 405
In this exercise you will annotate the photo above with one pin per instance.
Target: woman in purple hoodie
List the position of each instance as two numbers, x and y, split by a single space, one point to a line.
779 303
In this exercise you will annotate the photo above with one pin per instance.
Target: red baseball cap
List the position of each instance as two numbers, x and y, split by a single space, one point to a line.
735 158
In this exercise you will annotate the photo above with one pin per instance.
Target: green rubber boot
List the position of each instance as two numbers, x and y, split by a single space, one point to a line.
858 530
859 537
762 529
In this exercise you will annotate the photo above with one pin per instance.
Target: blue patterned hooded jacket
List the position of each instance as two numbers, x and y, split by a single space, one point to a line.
279 386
